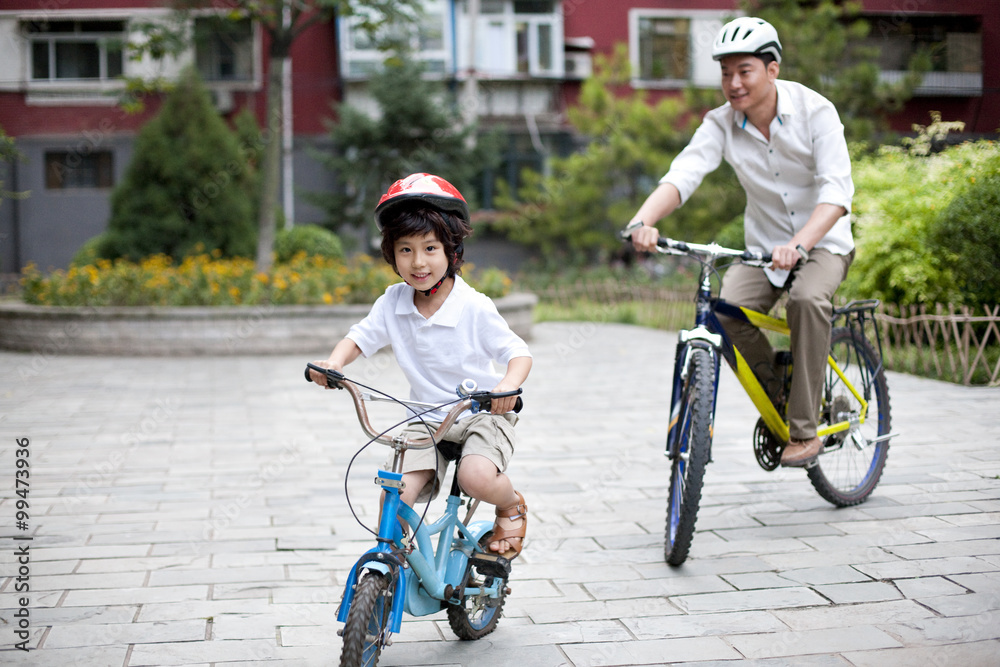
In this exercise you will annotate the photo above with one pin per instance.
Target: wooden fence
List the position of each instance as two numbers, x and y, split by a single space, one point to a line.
953 343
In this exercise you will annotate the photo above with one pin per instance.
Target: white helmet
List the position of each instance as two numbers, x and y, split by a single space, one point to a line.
747 35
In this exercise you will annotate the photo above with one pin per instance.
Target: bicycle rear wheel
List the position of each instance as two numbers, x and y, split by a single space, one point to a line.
367 624
691 438
476 615
847 472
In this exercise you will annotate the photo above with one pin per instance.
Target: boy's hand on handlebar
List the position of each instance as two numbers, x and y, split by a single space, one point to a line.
644 238
499 406
320 378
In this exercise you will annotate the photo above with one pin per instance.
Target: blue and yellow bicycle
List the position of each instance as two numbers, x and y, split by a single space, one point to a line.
408 573
854 417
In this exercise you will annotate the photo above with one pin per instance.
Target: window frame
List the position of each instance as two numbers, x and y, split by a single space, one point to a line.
522 56
358 63
704 25
255 53
101 163
102 40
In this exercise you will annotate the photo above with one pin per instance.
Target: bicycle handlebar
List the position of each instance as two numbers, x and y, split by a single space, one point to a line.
711 250
473 400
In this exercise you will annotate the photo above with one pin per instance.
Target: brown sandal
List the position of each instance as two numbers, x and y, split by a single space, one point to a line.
518 510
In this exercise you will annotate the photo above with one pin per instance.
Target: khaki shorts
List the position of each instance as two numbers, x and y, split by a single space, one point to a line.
483 434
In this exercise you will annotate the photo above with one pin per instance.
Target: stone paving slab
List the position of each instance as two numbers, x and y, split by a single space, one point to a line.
191 512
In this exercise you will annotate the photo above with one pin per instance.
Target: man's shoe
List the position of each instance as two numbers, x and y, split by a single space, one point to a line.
800 453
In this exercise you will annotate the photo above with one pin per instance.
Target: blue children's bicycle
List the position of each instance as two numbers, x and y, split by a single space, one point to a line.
404 573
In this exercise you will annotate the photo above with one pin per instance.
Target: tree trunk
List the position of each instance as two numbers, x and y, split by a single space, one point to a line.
270 167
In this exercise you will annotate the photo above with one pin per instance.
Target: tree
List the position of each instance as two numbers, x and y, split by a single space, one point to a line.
573 213
822 48
9 154
282 21
188 186
415 129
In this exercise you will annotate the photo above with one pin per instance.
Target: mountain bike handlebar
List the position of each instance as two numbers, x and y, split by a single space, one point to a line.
711 251
471 399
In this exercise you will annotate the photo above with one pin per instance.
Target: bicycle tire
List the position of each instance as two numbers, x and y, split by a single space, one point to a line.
693 434
367 621
845 475
476 616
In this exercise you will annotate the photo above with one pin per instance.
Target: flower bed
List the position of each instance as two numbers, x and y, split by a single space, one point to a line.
207 305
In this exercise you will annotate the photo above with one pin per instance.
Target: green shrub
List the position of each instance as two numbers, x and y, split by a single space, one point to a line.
90 251
189 185
968 233
898 198
308 239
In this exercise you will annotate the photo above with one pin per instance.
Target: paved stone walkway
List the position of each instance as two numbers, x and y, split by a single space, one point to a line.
191 512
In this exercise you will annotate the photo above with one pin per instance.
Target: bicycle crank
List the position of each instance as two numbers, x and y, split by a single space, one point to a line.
766 447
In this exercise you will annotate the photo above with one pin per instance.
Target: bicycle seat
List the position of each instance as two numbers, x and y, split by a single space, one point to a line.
451 450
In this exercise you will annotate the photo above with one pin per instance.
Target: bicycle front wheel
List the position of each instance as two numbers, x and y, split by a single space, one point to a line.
367 624
849 467
690 436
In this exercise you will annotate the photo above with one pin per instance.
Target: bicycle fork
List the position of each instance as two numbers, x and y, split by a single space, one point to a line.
688 341
382 557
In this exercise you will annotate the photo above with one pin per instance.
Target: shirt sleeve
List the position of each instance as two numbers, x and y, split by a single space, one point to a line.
371 334
700 157
833 161
501 343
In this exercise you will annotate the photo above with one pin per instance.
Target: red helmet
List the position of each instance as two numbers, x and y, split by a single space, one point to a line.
428 188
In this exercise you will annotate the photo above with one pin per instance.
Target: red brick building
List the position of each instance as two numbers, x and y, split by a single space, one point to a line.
61 63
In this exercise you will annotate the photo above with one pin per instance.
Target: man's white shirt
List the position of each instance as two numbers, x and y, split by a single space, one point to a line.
805 163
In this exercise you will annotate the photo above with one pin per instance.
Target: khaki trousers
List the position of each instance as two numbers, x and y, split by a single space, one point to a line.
808 312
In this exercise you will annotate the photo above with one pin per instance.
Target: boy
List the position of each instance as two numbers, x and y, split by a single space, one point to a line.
442 331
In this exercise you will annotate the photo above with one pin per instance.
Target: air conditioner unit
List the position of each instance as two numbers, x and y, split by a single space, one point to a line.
578 65
222 100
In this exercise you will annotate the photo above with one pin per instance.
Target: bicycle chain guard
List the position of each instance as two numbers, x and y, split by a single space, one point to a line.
766 447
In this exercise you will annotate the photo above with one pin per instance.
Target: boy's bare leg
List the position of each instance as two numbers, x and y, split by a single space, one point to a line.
479 477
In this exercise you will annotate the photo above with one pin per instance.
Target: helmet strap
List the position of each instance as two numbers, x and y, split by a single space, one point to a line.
435 288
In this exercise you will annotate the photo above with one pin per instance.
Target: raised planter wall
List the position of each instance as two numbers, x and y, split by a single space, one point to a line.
192 331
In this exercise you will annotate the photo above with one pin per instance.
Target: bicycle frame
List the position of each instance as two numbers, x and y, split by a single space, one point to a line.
424 578
709 334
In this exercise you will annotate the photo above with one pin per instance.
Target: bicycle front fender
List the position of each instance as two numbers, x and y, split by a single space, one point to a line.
371 562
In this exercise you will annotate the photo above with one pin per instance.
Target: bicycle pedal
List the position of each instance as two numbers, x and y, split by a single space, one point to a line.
491 564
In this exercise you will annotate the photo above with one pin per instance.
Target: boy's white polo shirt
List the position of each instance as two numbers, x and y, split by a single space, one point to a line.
458 342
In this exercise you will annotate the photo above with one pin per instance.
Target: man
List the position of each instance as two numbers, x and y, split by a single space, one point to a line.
786 144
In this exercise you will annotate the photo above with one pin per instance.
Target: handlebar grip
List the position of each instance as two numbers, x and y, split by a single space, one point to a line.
484 399
332 376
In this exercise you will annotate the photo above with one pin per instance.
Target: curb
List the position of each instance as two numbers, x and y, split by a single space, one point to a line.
198 331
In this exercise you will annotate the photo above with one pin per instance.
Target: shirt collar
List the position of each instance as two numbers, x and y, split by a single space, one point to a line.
785 108
450 312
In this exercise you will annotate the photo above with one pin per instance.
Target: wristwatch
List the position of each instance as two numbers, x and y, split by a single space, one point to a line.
635 223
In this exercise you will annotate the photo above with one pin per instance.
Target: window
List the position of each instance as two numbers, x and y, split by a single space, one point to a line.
673 48
514 37
64 170
224 49
75 50
429 40
955 45
664 49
